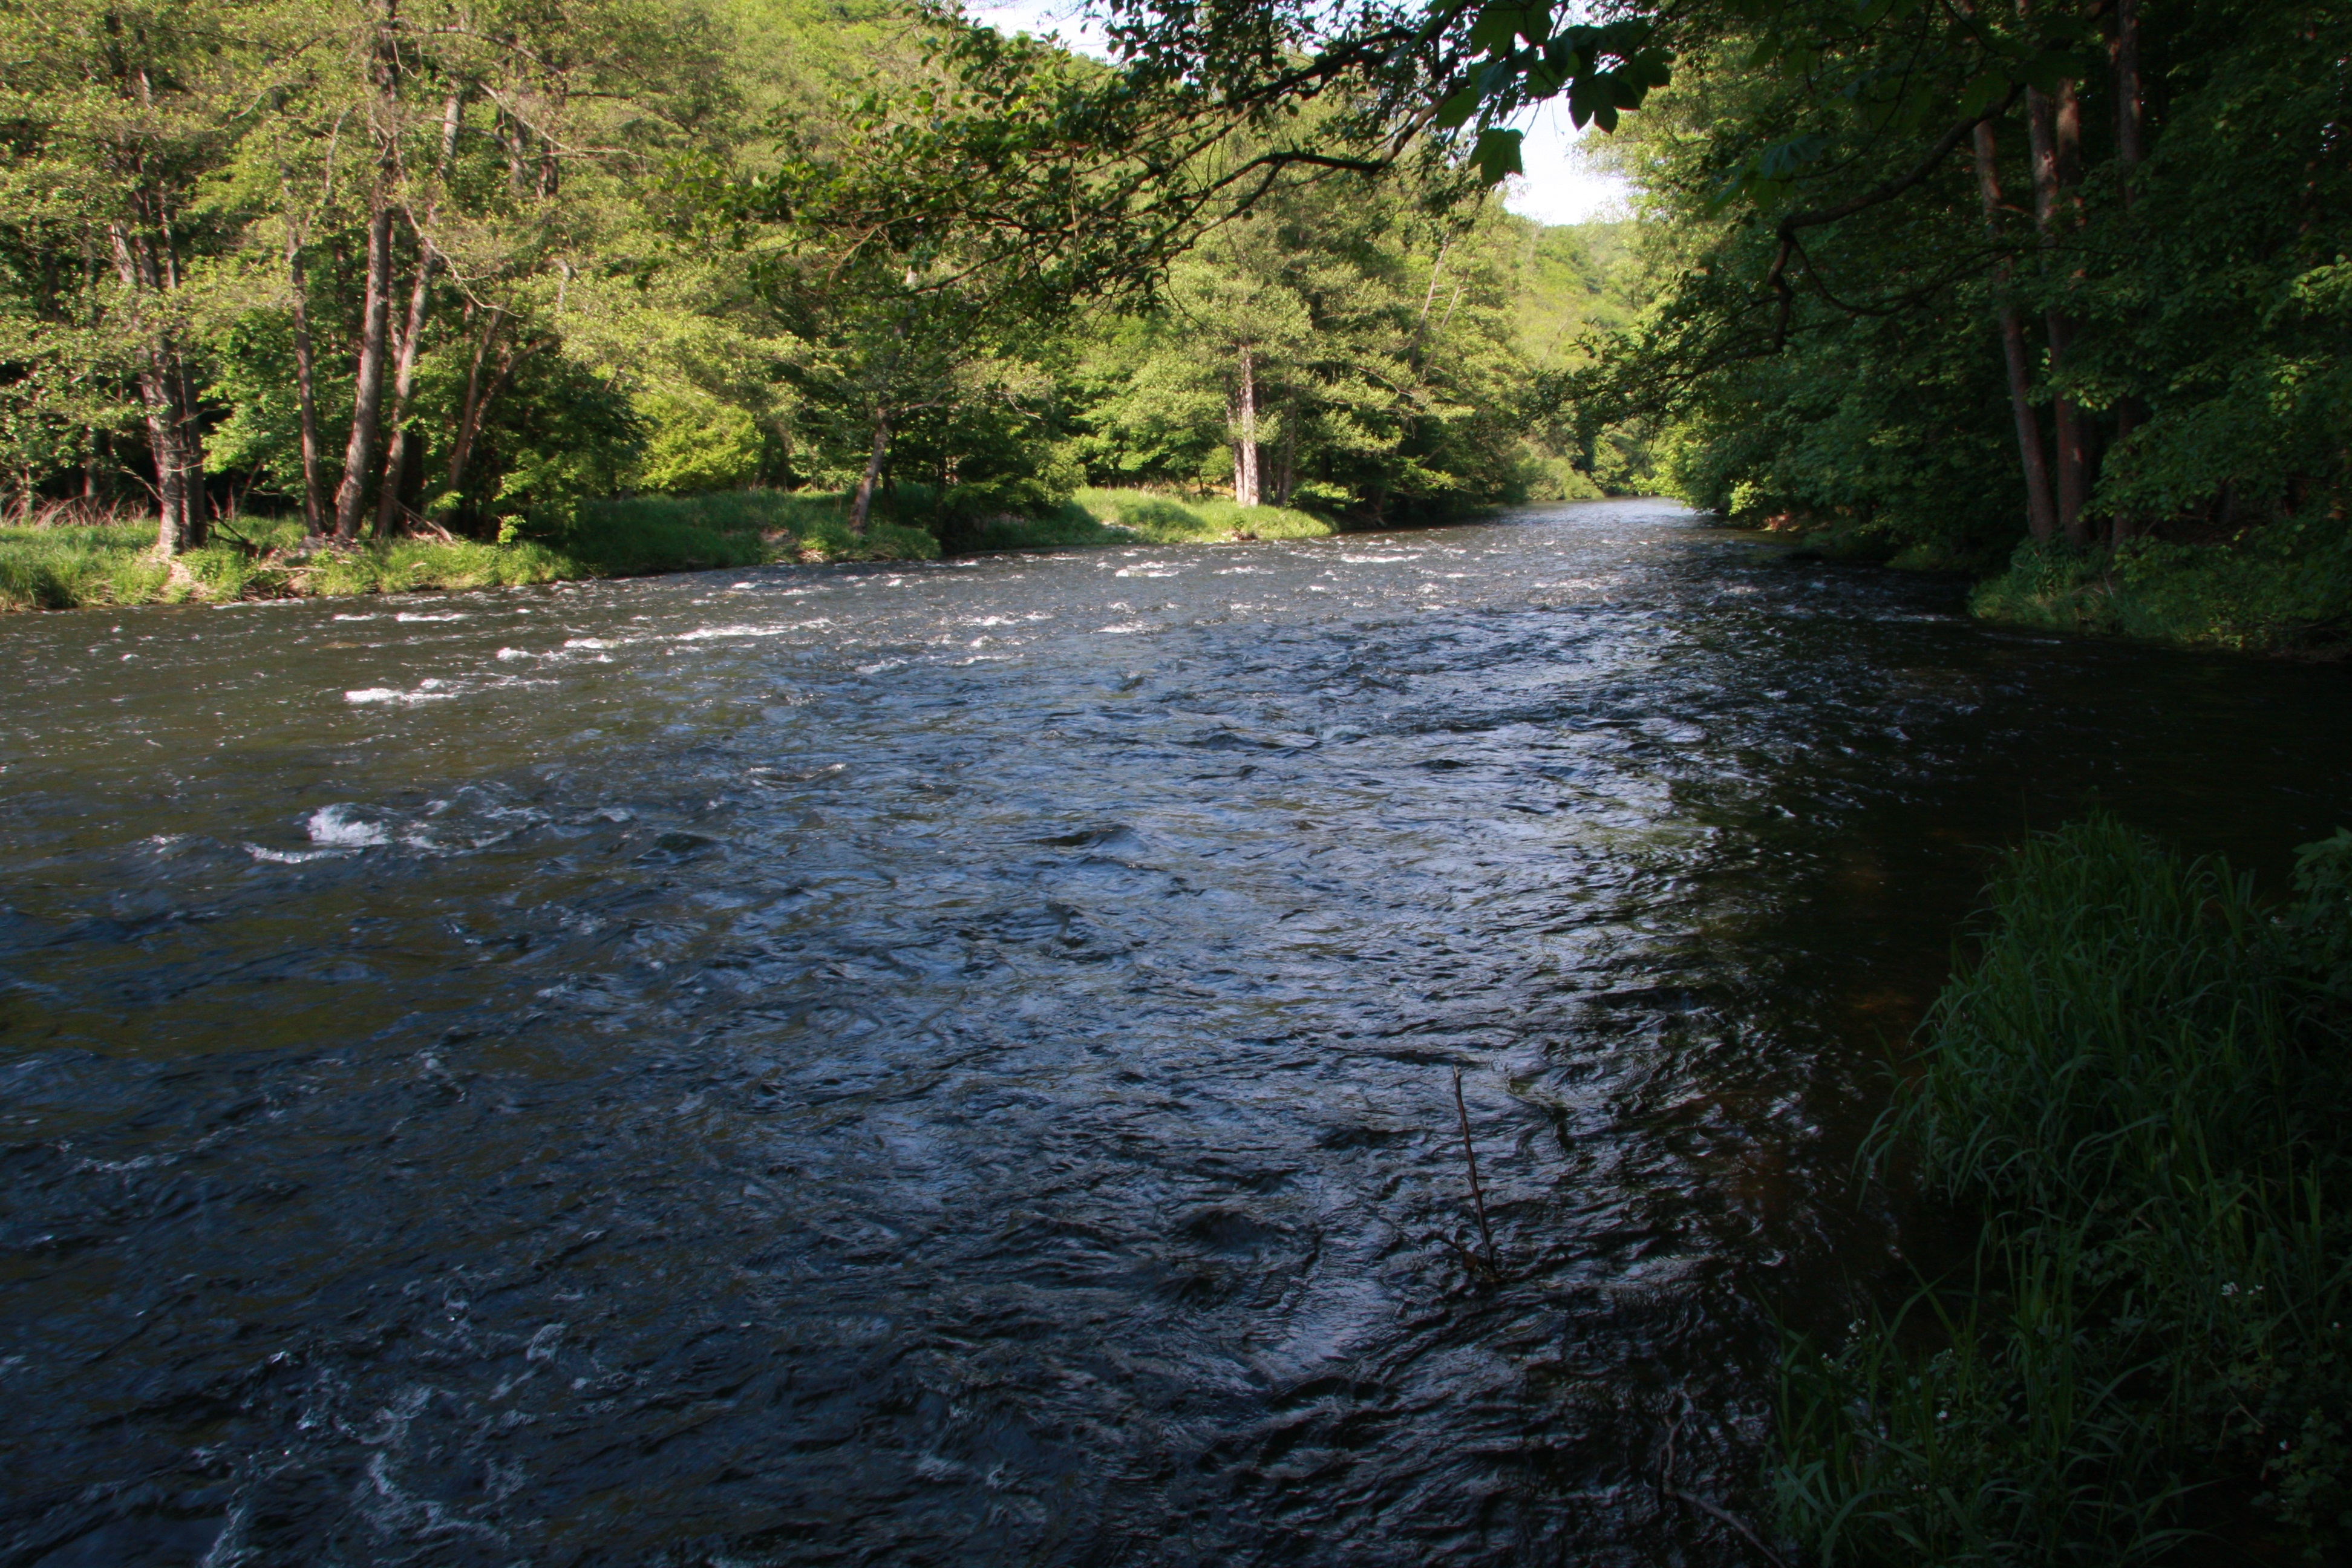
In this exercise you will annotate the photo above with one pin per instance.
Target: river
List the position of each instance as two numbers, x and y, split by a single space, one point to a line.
955 1063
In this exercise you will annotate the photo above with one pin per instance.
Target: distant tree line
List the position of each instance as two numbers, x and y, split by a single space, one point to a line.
455 265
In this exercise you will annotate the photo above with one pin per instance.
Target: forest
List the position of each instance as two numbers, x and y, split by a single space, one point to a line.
347 275
2056 299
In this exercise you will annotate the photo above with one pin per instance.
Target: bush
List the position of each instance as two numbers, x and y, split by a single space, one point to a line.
2286 585
695 443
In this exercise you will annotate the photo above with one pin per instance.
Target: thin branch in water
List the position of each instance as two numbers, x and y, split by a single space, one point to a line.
1714 1511
1470 1157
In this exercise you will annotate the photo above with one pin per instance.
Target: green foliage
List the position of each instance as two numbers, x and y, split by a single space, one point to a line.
746 243
1391 341
2288 586
1827 353
2139 1079
695 443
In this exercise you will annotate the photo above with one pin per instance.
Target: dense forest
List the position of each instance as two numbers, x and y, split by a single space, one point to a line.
457 271
2060 291
1944 281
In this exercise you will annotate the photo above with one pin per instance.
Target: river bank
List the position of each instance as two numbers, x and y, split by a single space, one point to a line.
268 558
2282 589
2135 1080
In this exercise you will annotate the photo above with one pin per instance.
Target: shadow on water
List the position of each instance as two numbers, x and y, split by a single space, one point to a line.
954 1063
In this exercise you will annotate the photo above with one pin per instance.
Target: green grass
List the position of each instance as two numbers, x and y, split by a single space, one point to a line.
1100 517
2138 1084
2283 587
58 568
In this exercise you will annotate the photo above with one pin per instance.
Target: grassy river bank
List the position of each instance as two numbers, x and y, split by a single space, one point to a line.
2138 1081
63 567
2281 588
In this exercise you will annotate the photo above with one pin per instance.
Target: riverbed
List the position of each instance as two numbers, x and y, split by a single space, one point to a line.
957 1063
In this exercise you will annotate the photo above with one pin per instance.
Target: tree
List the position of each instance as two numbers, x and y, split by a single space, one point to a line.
114 116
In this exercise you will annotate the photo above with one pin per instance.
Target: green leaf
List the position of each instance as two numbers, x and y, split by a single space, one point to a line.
1496 27
1980 94
1457 107
1498 154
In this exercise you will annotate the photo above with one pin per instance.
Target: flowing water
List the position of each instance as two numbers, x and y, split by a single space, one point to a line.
957 1064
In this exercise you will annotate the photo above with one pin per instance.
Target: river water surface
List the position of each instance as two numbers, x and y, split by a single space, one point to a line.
955 1064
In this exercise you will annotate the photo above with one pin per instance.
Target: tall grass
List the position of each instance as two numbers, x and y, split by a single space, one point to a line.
2139 1081
56 568
1097 517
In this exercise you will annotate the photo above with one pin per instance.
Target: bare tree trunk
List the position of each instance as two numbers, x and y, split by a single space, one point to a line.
2054 122
865 500
162 387
305 395
367 399
2040 512
1246 434
412 335
1286 463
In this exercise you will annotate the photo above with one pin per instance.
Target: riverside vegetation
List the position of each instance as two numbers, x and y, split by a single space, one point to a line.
2139 1079
60 565
344 295
2053 295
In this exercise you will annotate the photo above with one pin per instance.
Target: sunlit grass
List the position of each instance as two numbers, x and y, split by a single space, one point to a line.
1100 517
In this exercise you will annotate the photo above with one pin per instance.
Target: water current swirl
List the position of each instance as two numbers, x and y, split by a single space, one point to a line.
955 1063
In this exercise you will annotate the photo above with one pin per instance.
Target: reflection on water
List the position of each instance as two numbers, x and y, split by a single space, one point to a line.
954 1063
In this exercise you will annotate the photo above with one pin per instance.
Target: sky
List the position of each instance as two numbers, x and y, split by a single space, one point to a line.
1557 186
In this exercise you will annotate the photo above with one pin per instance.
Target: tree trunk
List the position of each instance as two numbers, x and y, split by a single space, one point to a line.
412 335
2131 111
305 397
162 389
176 523
1428 298
865 501
1286 462
367 398
478 399
2040 512
2054 122
2131 117
1246 434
